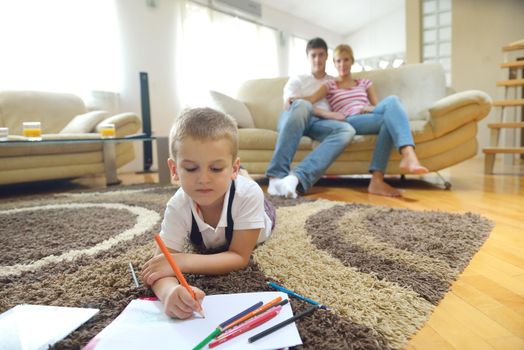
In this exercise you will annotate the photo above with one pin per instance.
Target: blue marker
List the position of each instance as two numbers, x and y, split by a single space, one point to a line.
298 296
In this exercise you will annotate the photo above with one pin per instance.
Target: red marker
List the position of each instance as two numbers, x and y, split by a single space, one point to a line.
252 323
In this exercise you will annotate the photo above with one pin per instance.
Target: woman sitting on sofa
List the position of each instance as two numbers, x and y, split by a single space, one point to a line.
355 101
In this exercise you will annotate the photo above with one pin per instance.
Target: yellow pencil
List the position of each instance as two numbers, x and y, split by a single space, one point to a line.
180 277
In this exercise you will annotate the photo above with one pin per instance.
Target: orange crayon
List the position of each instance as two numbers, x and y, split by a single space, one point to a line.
254 312
180 277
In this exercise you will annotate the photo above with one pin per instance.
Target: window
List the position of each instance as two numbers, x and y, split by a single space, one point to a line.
378 62
436 34
297 62
59 45
218 52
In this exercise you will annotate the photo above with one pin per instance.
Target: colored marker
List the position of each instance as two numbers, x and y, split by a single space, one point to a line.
224 325
298 296
207 339
281 324
281 303
248 325
180 277
133 275
221 327
254 313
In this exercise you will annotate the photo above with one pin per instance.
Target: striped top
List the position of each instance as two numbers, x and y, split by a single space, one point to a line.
348 101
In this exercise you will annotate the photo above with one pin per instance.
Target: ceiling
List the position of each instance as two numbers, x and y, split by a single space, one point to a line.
340 16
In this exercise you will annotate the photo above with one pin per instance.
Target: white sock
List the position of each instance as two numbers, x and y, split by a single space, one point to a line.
288 186
272 189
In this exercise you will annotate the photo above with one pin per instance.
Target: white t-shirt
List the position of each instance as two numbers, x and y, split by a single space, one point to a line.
247 211
306 85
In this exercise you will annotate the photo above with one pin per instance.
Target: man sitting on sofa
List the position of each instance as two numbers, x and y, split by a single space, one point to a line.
298 120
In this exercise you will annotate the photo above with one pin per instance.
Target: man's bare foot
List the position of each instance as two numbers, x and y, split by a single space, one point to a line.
410 163
381 188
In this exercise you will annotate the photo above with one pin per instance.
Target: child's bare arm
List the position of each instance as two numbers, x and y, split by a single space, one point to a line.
157 267
177 301
236 258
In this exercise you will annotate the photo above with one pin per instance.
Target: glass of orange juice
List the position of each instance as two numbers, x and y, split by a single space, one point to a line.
4 134
107 131
32 130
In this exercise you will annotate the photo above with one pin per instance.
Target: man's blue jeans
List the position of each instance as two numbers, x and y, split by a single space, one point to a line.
298 121
389 120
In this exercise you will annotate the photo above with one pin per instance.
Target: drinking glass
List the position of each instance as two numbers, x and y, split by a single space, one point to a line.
32 130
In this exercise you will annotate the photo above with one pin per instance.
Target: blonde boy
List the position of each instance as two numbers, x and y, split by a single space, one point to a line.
215 208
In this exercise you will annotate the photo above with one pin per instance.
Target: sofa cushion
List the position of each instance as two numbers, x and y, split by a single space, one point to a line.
84 123
263 139
232 107
53 110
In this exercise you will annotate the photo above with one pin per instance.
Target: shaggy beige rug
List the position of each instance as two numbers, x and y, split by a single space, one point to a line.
381 271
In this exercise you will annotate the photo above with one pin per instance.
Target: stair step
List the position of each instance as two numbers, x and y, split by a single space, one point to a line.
512 125
512 64
495 150
513 47
509 103
511 82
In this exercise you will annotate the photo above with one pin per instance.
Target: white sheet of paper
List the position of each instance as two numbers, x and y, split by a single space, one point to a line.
143 325
32 327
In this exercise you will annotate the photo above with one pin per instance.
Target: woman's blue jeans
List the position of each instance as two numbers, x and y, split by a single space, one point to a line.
298 121
389 120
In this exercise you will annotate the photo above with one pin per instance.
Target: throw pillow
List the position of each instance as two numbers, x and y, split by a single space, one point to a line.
233 107
83 123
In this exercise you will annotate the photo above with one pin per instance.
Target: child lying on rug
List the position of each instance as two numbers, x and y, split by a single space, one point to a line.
215 207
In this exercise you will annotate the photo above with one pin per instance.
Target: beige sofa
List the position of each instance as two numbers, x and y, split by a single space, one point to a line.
62 116
444 126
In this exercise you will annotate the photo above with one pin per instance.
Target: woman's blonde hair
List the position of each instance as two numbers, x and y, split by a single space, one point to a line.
203 124
343 48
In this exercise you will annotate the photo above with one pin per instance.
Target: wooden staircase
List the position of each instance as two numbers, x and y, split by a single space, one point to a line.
513 82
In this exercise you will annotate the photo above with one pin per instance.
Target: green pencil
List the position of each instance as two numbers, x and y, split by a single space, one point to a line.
208 339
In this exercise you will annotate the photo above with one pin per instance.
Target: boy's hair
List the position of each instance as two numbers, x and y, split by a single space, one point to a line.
316 43
344 48
203 124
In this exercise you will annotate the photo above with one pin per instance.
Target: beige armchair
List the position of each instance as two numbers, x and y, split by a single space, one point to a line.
62 116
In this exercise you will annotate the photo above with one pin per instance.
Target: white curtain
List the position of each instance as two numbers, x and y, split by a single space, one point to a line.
216 51
59 45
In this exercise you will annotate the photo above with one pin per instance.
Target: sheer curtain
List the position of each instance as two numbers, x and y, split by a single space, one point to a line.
215 51
59 45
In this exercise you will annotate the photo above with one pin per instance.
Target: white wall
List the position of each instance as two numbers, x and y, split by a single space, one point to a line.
479 30
298 27
148 44
384 36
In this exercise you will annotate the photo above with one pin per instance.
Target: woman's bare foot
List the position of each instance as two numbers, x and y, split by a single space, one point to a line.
381 188
410 163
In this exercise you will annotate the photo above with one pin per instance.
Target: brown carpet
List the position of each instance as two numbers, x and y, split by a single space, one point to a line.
380 270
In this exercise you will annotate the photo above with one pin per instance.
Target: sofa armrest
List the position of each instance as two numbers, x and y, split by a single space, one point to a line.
125 123
453 111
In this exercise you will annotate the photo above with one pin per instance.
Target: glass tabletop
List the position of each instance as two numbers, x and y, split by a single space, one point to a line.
70 138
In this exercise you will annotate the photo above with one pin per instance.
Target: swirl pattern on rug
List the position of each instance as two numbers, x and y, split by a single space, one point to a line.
381 271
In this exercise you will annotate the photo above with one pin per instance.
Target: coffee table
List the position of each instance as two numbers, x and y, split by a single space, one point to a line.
109 151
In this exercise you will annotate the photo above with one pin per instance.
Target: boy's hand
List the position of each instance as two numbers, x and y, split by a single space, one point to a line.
155 268
180 304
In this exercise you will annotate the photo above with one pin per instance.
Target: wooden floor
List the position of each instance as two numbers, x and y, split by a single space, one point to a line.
485 307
